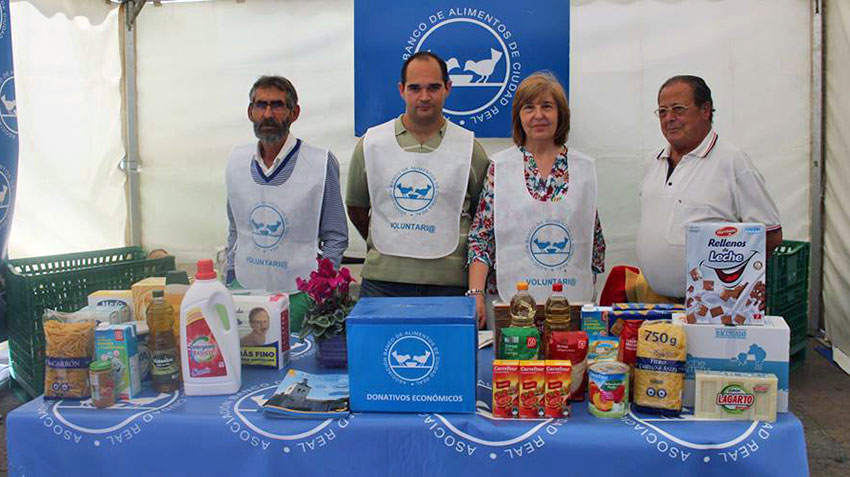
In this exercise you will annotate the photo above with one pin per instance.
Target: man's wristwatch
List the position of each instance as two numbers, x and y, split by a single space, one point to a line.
474 292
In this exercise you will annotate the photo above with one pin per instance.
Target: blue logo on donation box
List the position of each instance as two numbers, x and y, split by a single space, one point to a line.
268 226
411 357
550 245
414 190
488 47
412 354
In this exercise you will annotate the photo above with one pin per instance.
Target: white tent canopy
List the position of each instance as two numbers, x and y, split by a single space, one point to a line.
195 63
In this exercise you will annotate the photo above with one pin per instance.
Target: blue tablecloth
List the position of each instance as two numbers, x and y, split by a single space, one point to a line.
167 434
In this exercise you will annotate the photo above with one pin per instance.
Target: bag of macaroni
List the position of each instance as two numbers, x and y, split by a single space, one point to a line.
660 368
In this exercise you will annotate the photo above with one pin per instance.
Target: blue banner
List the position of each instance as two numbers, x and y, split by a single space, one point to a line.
489 48
8 141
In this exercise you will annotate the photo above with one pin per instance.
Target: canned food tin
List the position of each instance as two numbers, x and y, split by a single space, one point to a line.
609 389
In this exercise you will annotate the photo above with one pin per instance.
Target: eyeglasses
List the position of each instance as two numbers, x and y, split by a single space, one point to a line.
676 110
277 106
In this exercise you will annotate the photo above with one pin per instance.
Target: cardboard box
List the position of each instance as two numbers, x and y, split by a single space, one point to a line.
412 354
263 330
726 267
143 296
113 297
747 348
118 343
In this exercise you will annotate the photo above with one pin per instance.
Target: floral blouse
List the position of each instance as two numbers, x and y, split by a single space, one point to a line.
482 237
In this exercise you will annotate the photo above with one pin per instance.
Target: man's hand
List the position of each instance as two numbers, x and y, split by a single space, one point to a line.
359 216
773 240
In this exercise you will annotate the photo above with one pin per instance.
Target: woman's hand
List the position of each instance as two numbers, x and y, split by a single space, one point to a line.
481 311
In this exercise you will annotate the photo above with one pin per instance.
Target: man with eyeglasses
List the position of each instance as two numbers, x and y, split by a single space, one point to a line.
283 197
413 185
697 177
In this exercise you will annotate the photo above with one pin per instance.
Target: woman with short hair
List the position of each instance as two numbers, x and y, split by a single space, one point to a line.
536 220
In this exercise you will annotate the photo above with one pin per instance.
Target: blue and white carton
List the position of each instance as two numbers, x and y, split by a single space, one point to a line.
412 355
747 348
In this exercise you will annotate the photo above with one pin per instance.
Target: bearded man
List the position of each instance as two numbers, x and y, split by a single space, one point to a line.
283 197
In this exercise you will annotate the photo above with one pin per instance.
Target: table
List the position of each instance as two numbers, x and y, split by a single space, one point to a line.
166 434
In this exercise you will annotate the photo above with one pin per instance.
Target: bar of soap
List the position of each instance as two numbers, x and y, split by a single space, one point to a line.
735 396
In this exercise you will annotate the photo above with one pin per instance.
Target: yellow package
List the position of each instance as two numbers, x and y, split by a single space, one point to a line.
660 367
143 295
68 351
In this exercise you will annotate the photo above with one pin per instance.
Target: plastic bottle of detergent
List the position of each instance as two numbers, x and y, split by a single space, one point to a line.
209 337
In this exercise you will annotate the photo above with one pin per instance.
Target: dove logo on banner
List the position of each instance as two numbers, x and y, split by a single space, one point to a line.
488 47
8 105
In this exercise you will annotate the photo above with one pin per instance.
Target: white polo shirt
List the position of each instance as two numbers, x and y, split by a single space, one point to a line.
714 182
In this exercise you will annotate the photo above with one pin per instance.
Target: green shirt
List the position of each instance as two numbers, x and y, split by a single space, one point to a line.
449 270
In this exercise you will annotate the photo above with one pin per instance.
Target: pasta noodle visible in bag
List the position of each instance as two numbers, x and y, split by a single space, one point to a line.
69 351
660 370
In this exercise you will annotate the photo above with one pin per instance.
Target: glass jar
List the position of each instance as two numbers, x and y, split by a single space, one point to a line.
102 384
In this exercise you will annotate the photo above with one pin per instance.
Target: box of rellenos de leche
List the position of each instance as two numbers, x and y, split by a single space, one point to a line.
412 354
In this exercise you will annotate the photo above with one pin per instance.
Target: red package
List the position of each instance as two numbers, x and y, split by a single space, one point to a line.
628 342
572 345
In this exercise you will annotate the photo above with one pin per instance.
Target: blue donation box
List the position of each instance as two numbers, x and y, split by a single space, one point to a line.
412 354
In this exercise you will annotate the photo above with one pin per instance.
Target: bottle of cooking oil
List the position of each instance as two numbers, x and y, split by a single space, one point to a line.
523 307
557 313
521 340
165 364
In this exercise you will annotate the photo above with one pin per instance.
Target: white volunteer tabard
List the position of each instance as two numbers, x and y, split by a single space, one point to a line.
544 243
416 198
277 226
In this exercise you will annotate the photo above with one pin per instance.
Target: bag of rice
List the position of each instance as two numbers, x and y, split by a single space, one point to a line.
660 368
69 350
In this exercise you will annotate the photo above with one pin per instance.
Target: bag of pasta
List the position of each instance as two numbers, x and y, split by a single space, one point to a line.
660 368
68 353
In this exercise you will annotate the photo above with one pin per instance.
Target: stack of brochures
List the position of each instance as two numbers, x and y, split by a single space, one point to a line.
310 396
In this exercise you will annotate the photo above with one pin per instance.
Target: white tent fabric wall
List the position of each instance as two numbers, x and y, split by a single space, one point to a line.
836 269
68 81
197 62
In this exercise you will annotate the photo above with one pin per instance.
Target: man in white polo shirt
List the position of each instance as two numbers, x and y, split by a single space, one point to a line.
697 177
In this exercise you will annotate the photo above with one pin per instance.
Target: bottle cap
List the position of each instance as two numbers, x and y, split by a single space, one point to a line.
557 287
205 270
521 285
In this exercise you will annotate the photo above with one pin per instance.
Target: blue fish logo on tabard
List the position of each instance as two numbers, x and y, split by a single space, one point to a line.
414 190
268 225
489 47
550 245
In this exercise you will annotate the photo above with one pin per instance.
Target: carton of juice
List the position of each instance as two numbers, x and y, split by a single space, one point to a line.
558 379
119 345
505 382
532 384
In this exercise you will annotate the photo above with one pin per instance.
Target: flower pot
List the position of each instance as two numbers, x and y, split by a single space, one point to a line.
333 352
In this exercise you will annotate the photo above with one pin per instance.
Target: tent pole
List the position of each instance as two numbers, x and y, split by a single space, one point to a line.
816 322
130 164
